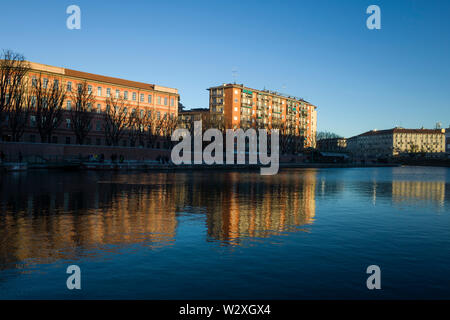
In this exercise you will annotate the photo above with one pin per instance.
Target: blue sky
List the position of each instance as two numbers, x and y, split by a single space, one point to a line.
360 79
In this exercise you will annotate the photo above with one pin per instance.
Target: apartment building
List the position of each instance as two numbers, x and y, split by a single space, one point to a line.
244 107
393 142
139 97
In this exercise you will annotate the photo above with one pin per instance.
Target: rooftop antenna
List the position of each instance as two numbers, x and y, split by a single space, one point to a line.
234 72
438 125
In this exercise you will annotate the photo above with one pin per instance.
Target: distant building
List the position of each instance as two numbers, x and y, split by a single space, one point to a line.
243 107
332 145
393 142
186 118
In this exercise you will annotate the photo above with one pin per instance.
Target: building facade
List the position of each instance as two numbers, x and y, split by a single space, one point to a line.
447 140
139 97
186 118
397 141
242 107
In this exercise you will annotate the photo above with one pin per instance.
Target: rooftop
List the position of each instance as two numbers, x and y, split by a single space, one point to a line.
195 110
95 77
400 130
270 92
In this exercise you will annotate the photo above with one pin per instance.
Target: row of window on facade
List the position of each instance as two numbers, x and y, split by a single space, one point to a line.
161 101
125 110
96 141
249 102
260 120
275 114
99 128
218 92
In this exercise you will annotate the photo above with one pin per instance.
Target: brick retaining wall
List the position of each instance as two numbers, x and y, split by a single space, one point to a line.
61 152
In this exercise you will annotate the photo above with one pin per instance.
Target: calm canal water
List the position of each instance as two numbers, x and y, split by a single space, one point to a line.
304 233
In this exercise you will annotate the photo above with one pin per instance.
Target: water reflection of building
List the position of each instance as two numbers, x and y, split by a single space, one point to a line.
47 217
263 206
411 191
415 192
69 222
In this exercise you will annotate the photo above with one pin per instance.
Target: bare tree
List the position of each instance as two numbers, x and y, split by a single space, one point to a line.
285 137
116 120
19 111
47 102
153 126
321 135
168 126
133 128
215 121
209 121
137 128
13 69
81 114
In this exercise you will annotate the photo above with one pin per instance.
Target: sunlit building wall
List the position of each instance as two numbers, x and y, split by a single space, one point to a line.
243 107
